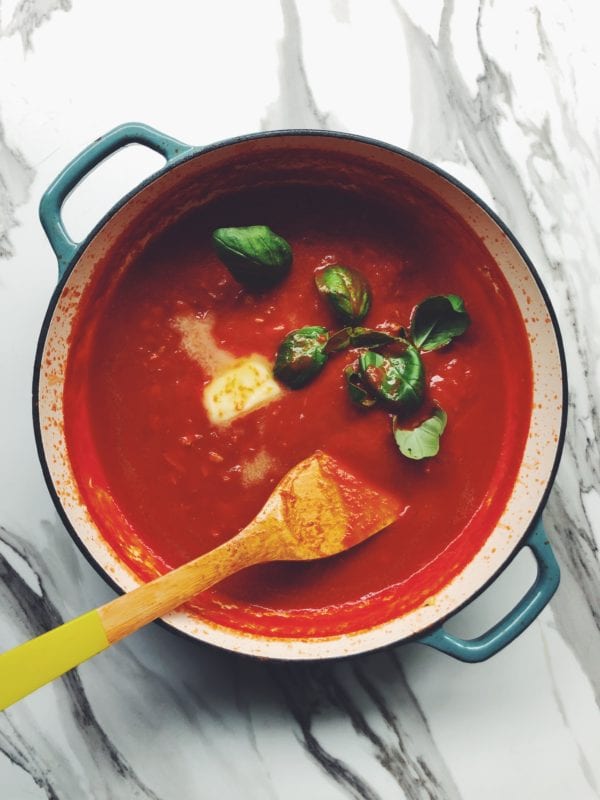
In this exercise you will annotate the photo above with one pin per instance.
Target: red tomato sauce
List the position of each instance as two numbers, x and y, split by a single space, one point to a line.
164 485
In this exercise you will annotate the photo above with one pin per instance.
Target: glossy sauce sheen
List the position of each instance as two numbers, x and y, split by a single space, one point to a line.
165 485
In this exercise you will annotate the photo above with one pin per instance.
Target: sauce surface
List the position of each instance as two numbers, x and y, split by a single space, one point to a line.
165 485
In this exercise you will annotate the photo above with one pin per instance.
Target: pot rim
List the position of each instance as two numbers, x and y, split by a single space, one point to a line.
192 153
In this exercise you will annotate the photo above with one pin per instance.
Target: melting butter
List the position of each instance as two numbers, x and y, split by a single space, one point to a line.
241 387
199 343
237 386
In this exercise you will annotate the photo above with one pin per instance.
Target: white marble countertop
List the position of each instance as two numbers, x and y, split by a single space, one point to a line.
505 97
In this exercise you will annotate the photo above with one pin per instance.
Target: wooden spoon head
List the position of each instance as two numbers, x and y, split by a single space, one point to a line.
319 509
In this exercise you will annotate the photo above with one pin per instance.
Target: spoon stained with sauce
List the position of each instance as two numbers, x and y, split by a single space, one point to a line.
318 509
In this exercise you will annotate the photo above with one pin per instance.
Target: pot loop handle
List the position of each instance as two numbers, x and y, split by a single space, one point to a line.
54 197
515 622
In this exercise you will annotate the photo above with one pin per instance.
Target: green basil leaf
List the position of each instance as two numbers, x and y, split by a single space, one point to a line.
256 256
369 337
424 440
438 320
301 356
347 291
398 380
356 388
458 304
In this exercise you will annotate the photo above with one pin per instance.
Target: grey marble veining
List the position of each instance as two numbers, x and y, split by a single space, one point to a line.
16 177
161 717
401 742
28 15
295 106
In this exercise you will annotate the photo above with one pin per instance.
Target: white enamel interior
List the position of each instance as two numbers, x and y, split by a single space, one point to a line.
147 211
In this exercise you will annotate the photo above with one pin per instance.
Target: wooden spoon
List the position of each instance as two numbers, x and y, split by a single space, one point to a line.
318 509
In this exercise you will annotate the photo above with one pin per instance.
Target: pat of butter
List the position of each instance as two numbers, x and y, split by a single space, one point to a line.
241 387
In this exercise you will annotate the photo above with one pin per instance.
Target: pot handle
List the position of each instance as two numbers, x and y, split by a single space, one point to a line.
515 622
54 197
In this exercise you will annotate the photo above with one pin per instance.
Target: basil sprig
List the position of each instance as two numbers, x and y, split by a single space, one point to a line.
398 380
301 356
388 371
438 320
256 256
424 440
347 292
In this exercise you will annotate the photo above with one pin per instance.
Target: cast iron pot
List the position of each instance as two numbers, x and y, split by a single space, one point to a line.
196 175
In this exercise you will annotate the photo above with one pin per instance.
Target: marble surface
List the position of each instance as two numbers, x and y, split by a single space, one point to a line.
502 95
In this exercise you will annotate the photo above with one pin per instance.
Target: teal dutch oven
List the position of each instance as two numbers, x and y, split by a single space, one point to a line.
192 176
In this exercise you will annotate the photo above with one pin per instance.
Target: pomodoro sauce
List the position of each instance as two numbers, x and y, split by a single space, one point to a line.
164 485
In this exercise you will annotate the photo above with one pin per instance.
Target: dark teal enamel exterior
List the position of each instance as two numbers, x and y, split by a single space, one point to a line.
67 251
519 618
54 197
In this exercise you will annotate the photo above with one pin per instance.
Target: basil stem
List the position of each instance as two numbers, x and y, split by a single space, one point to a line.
438 320
357 337
369 337
256 256
398 380
347 292
424 440
301 356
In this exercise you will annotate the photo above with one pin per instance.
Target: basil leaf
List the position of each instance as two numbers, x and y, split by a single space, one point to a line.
424 440
398 380
369 337
458 304
356 389
347 291
438 320
338 341
256 256
301 356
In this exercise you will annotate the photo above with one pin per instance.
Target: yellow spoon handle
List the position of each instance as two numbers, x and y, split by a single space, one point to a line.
39 661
